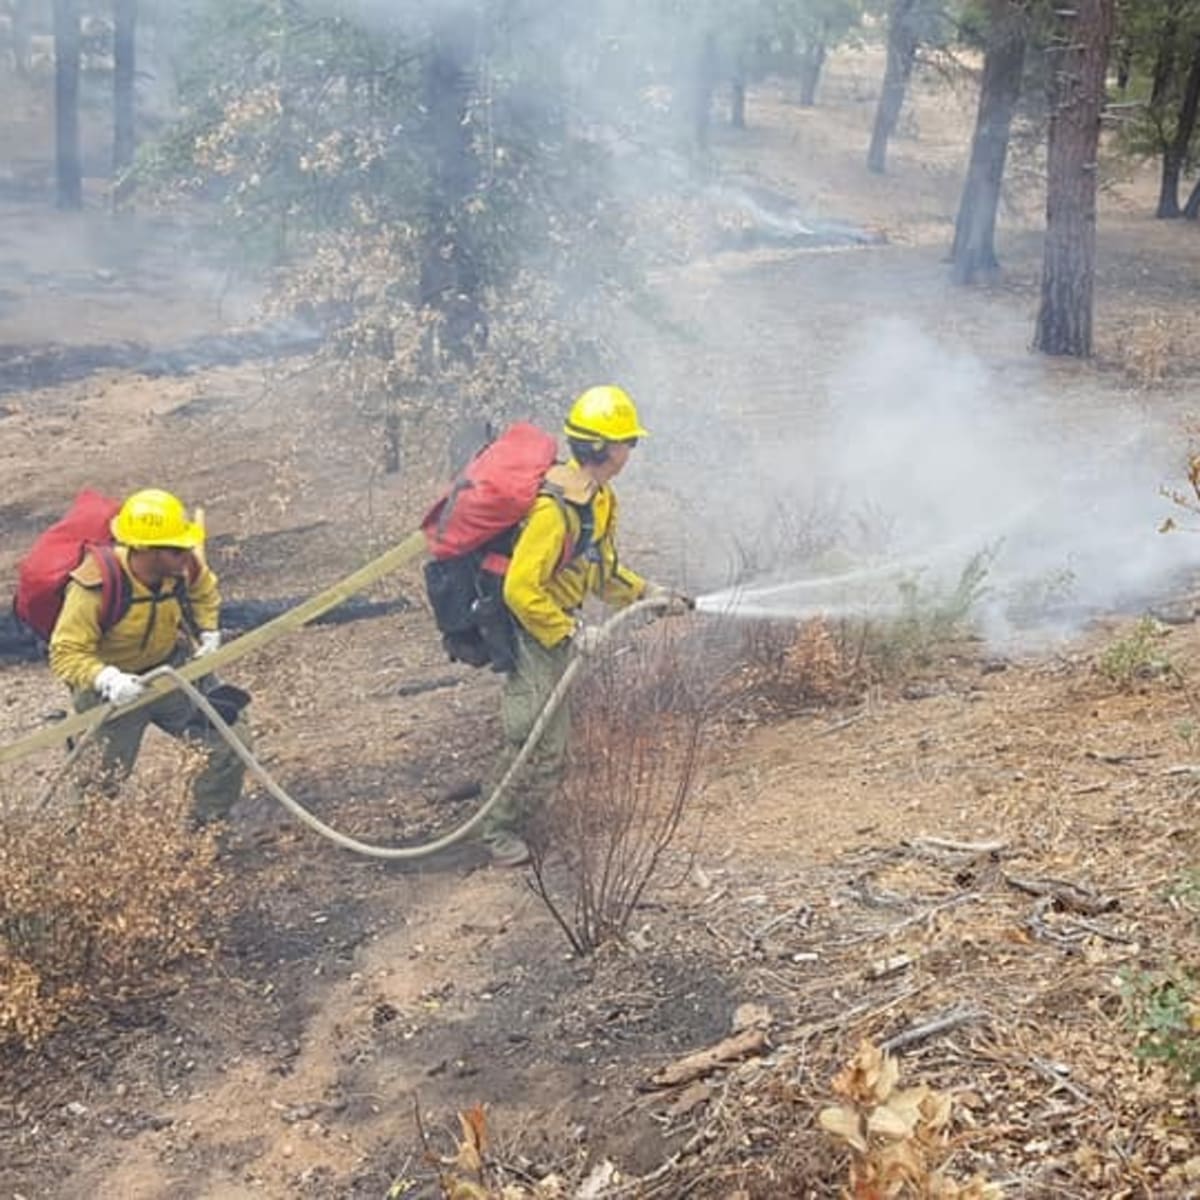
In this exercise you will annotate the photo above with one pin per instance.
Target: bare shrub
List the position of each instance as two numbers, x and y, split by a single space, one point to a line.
100 902
636 746
795 532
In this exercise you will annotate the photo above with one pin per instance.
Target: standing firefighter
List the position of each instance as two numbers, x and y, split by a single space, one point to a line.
123 612
566 550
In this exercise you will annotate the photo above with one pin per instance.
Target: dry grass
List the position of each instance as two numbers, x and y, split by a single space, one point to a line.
100 903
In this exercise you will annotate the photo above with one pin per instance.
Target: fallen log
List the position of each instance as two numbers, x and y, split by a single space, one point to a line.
704 1062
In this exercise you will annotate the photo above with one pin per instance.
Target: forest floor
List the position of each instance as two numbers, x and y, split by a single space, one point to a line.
999 837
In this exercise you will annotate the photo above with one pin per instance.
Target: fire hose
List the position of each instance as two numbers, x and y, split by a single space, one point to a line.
389 853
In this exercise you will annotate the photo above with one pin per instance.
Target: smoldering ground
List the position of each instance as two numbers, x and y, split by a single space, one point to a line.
915 457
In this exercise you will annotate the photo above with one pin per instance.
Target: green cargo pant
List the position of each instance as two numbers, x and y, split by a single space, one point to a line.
525 693
217 786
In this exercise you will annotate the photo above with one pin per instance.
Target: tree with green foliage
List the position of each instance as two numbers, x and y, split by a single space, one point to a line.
909 24
429 184
1160 40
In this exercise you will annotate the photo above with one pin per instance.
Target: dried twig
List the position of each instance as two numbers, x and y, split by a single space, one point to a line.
1058 1076
801 909
915 919
1072 897
921 1033
940 843
704 1062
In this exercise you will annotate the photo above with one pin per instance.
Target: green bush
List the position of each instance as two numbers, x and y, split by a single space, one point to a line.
1163 1009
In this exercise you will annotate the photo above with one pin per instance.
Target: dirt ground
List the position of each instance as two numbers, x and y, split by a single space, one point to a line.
349 995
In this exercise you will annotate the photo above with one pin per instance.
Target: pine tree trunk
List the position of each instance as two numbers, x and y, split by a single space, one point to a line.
1164 59
124 52
901 54
1124 67
22 34
974 250
811 62
1191 210
1079 57
1175 152
737 100
702 87
451 280
68 171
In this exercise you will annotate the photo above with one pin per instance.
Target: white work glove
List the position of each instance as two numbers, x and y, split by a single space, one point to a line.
208 641
117 686
674 604
587 639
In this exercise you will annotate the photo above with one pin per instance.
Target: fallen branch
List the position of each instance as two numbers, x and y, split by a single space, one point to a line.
940 843
920 1033
704 1062
1057 1075
916 919
800 910
1119 760
1071 897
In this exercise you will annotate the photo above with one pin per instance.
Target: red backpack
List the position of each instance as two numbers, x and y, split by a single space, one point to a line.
470 533
43 573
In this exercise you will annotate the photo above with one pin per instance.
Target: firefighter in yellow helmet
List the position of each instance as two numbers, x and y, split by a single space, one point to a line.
165 589
566 550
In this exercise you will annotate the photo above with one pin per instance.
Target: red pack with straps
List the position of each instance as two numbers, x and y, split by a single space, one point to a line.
492 493
43 573
470 533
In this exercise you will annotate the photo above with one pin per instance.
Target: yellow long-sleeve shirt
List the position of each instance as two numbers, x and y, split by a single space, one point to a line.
541 590
143 638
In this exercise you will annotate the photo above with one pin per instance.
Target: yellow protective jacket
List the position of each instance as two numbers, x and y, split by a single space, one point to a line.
540 589
144 637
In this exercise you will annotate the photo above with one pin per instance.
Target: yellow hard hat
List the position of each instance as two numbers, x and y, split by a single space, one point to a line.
604 414
152 518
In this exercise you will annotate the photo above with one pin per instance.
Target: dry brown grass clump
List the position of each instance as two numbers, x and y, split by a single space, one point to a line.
1157 346
100 902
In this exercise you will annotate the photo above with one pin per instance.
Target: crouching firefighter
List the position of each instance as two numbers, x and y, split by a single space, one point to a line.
565 550
125 609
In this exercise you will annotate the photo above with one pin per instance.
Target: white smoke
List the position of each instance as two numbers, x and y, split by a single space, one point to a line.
953 458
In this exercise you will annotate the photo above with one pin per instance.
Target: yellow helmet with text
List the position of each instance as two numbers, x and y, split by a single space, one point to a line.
604 414
152 518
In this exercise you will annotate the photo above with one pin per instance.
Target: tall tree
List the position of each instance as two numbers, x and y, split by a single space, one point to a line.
451 282
1175 151
124 52
901 54
812 59
68 170
974 250
1191 210
22 34
1079 52
704 70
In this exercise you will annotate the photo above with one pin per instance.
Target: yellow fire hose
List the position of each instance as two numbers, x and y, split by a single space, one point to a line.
81 723
180 678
